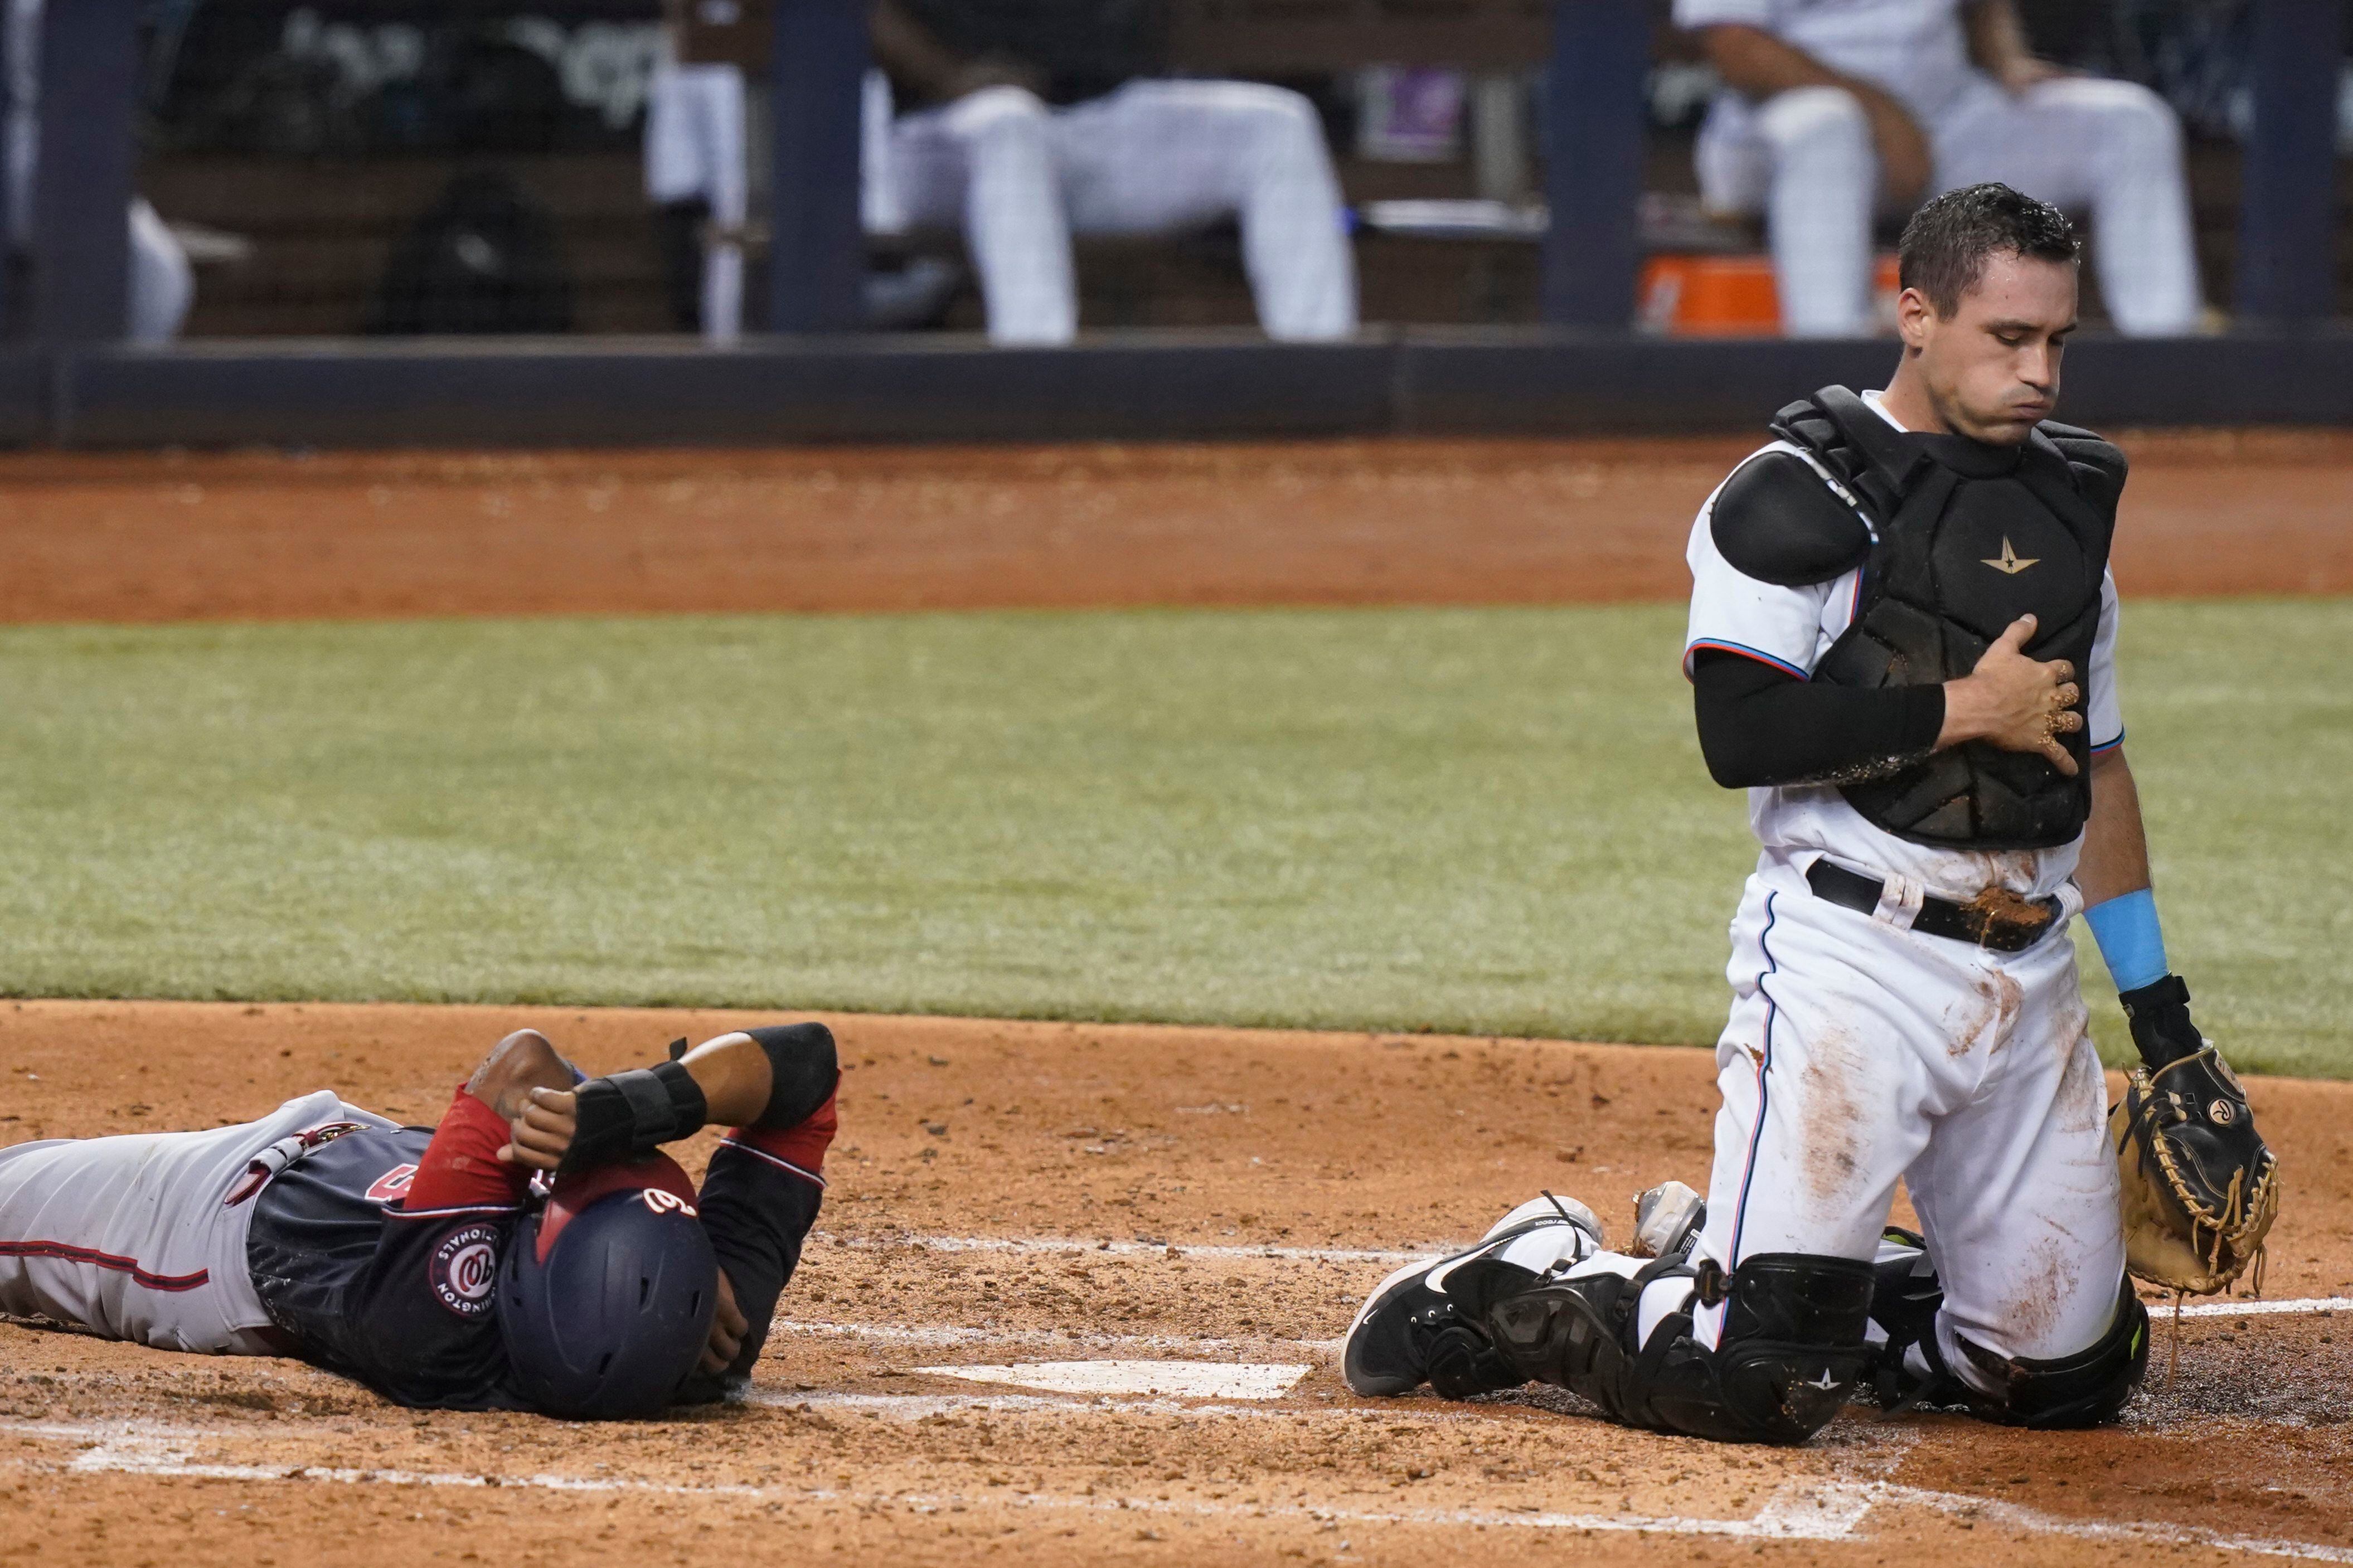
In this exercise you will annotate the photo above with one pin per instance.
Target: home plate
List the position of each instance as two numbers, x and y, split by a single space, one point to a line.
1177 1379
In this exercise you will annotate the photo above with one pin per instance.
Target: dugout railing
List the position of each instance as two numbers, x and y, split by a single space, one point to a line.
66 380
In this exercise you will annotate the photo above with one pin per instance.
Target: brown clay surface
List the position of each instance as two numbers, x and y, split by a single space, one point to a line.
1220 1189
172 537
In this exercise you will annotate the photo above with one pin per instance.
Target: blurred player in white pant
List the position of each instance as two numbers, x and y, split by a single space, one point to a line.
1020 177
697 168
1019 174
1838 108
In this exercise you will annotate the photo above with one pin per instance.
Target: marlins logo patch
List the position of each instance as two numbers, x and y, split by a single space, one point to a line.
464 1269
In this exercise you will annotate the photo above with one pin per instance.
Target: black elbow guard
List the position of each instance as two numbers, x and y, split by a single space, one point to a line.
804 1068
632 1113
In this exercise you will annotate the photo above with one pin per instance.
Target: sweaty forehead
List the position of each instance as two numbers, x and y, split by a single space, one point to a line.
2023 291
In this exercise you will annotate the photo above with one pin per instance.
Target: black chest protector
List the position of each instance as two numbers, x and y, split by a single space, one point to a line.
1968 538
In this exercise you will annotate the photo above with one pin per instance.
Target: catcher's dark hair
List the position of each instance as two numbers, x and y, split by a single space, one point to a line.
1944 249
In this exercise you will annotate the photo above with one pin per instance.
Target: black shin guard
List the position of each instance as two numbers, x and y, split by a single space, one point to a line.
2080 1390
1790 1353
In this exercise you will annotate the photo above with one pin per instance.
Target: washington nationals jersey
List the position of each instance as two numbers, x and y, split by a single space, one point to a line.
378 1252
1791 628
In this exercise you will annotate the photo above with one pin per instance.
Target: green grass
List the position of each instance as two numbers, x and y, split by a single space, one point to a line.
1466 820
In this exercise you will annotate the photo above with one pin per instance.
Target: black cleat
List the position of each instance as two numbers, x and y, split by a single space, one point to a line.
1411 1330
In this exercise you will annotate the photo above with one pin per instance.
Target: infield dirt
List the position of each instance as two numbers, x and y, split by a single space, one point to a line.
1004 1195
239 536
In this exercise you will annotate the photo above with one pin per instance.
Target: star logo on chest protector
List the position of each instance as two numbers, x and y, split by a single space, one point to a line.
2009 563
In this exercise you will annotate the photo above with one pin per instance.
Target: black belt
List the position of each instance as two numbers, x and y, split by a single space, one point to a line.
1997 917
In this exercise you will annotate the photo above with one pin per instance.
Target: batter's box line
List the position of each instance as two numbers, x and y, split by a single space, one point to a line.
1058 1243
1039 1339
2296 1306
2317 1306
1800 1511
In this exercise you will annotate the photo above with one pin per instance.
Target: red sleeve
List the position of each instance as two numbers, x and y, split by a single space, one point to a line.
799 1148
461 1169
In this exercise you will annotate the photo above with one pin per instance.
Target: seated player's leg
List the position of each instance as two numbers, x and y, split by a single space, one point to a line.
162 284
694 173
2113 148
2036 1324
1158 156
985 163
1825 184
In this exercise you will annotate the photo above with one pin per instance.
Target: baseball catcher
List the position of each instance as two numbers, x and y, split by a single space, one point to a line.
1901 645
535 1251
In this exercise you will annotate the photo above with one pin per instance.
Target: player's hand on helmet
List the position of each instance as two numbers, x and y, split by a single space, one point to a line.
541 1129
2016 703
728 1327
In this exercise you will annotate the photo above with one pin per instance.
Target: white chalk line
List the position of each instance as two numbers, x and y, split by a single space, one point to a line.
1056 1244
1039 1339
1071 1244
1827 1510
917 1406
2256 1308
1134 1379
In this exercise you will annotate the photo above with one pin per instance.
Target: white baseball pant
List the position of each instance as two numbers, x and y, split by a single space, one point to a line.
696 148
1857 1052
1805 160
133 1237
162 284
1152 157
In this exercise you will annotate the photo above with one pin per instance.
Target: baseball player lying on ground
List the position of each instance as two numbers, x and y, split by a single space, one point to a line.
1901 642
428 1262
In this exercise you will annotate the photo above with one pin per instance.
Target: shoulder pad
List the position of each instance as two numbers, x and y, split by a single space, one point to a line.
2099 466
1776 521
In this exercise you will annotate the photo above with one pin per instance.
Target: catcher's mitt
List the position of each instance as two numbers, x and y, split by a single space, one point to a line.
2201 1190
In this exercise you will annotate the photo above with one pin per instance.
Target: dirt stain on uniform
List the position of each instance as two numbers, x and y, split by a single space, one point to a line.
2082 1102
1830 1113
1975 1017
2049 1275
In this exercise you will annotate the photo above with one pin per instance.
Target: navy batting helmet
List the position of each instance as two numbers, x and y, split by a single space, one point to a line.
607 1293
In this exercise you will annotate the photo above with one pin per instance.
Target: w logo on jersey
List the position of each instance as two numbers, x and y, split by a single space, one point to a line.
465 1268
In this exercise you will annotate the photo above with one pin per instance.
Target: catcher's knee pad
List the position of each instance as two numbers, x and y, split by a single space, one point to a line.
2080 1390
1791 1352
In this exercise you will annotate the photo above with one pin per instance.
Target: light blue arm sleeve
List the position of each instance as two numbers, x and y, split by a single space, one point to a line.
2132 943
